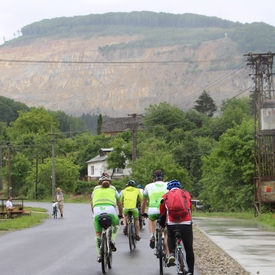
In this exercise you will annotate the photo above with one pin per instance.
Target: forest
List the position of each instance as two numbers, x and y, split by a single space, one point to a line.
210 154
155 29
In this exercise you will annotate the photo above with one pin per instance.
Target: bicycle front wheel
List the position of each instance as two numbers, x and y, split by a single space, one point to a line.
103 252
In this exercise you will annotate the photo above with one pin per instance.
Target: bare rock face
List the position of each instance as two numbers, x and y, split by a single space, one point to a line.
75 76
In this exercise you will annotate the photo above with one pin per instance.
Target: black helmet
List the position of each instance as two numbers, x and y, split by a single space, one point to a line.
105 176
158 175
131 183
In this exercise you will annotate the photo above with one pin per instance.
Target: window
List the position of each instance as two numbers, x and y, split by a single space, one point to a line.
119 171
92 170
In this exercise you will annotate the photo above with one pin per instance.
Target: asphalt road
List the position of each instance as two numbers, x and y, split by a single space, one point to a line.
67 246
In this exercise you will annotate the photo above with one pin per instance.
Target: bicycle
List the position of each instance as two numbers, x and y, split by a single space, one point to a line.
160 250
55 210
106 236
131 231
180 255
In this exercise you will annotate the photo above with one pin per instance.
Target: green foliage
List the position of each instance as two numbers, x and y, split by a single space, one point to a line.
66 176
9 109
83 187
228 171
154 155
99 124
37 120
205 104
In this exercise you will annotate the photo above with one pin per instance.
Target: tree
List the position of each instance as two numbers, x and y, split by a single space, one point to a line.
99 124
66 173
228 171
154 155
205 104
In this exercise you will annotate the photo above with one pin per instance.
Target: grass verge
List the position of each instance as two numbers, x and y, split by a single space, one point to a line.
38 215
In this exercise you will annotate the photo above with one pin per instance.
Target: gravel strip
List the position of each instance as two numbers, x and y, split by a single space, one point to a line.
210 259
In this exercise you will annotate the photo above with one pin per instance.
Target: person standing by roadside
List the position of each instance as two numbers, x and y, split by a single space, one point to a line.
60 199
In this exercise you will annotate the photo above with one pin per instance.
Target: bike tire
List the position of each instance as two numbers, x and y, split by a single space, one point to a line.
55 213
110 255
160 252
104 256
134 241
130 238
181 266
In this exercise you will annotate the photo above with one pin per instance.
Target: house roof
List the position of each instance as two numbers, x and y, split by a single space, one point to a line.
121 124
100 157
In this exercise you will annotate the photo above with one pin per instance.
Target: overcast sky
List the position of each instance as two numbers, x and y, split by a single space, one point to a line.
15 14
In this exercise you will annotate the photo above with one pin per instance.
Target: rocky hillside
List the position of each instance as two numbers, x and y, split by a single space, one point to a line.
84 74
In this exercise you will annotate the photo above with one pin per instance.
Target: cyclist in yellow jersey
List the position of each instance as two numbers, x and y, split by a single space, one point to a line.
105 198
129 199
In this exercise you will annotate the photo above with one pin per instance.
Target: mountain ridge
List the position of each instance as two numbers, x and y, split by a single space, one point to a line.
112 75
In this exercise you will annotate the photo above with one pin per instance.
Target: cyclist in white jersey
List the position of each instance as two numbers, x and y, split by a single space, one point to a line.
153 193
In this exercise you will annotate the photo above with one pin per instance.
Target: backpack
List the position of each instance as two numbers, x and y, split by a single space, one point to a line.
104 220
177 203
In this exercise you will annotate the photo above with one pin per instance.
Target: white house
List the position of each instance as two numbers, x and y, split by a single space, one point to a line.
97 165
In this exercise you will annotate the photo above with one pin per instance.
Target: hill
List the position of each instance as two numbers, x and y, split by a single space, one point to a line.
120 63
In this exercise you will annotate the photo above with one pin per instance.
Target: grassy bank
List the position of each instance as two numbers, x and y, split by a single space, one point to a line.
38 215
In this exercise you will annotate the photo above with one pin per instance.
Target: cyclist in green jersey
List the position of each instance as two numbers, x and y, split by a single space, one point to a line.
129 199
153 193
105 198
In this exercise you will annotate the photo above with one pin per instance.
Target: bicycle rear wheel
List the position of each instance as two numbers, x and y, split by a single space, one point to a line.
160 252
130 235
110 256
134 241
180 263
103 252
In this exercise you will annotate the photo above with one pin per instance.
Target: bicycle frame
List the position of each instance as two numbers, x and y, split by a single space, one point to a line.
180 255
131 231
160 251
105 250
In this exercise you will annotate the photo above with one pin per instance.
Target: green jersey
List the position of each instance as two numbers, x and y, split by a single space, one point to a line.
130 196
154 191
104 196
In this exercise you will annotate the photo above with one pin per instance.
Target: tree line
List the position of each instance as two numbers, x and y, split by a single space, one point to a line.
156 29
212 155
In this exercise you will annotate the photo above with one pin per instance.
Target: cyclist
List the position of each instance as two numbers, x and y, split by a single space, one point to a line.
129 199
105 198
184 226
153 193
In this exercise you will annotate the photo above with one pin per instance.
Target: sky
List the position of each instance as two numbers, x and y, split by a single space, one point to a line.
15 14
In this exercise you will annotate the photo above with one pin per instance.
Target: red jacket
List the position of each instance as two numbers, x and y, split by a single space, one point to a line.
184 219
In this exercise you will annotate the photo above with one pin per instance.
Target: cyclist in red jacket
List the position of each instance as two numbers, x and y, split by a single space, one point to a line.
183 224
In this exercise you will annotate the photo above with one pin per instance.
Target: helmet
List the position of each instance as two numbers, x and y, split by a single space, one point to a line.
158 175
139 186
173 184
105 176
131 183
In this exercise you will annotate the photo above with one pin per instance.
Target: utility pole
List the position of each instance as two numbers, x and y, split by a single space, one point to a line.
264 125
134 125
53 163
36 174
1 182
9 170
